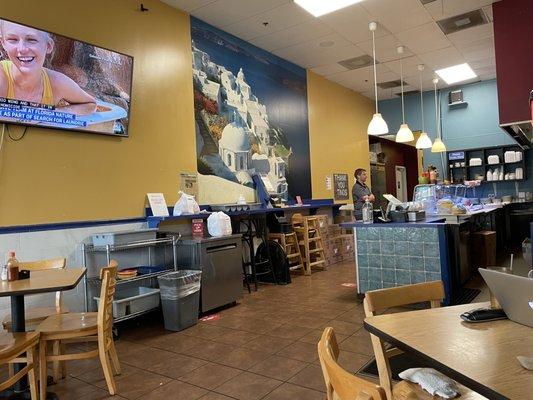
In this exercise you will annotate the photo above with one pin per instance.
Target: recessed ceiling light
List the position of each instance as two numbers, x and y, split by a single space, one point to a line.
457 73
322 7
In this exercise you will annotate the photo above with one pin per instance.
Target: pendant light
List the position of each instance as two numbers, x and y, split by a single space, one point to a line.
423 142
404 134
377 125
438 144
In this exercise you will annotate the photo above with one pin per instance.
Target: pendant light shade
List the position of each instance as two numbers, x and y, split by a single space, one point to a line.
404 134
377 125
438 144
423 142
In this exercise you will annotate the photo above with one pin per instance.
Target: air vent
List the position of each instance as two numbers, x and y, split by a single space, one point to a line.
463 21
357 62
390 84
407 93
427 1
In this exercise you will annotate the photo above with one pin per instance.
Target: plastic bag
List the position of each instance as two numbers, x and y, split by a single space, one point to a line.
219 224
186 205
179 284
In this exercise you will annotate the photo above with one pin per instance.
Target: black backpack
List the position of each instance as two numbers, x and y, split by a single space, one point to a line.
280 263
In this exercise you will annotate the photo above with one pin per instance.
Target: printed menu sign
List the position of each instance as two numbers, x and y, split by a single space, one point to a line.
158 204
340 187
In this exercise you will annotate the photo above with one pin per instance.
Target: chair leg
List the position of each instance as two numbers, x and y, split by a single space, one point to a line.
56 365
42 369
63 364
10 369
106 367
32 378
114 359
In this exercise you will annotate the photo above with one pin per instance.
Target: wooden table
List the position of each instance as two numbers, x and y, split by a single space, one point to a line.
39 282
481 356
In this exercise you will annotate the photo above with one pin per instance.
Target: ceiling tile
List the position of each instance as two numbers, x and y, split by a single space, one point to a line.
396 15
424 38
473 34
383 94
352 23
479 50
488 12
279 18
441 9
362 79
329 69
409 64
443 58
386 48
296 34
486 62
226 12
188 5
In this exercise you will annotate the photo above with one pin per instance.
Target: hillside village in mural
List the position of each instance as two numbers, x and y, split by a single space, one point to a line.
233 133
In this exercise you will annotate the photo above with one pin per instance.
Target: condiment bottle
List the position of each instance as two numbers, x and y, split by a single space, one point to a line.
12 267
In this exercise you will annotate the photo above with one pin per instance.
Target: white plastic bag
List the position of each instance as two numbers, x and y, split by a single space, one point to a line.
186 205
219 224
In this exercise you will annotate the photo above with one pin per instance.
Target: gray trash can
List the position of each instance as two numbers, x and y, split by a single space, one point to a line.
180 298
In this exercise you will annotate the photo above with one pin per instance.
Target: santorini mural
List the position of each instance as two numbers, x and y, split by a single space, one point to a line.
250 113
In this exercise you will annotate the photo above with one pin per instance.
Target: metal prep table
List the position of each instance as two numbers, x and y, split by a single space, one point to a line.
220 260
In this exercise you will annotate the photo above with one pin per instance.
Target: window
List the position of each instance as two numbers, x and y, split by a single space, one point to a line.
241 162
229 160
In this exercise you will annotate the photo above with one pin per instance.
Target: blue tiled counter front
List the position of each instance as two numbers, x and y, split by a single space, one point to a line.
389 256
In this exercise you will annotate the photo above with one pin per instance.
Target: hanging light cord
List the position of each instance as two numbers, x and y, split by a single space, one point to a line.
401 83
422 102
375 74
436 111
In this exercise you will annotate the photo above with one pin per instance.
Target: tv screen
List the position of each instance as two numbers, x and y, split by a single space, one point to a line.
53 81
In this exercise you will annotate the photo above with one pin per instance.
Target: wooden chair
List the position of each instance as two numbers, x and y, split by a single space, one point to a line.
34 316
340 384
310 242
82 327
379 300
12 349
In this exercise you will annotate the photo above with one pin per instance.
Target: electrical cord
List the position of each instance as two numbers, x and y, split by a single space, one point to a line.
20 137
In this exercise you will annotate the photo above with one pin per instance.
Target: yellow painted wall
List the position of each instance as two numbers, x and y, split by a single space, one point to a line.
338 119
56 176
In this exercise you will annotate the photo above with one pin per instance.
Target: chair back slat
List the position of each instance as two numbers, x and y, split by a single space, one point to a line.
41 265
381 299
340 382
108 275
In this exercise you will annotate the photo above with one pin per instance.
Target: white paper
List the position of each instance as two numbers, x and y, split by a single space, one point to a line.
158 204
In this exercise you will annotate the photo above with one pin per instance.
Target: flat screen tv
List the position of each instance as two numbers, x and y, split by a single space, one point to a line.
52 81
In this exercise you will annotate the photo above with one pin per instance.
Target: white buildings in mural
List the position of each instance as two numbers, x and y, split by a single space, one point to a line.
247 125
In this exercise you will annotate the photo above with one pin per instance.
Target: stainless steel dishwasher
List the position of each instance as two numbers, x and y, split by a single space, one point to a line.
220 260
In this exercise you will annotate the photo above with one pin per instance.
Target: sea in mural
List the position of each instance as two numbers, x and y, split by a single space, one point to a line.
251 113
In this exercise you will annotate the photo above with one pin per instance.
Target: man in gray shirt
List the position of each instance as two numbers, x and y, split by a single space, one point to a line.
361 192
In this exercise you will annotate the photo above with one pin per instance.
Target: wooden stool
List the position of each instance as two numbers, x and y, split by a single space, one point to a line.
13 346
310 242
83 327
289 242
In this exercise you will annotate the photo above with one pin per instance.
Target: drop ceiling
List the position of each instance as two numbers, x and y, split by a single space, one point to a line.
319 44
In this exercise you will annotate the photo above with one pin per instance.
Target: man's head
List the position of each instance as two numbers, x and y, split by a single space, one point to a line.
360 175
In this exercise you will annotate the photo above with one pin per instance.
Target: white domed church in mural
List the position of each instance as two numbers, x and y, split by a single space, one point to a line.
247 124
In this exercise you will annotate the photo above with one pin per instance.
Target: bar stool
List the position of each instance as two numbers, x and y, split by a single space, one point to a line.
310 242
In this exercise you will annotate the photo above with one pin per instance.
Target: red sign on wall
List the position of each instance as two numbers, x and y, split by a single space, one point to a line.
198 228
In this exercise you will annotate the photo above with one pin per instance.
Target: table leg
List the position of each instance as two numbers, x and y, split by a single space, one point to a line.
18 323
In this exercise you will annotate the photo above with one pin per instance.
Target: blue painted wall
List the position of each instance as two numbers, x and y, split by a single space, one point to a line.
476 125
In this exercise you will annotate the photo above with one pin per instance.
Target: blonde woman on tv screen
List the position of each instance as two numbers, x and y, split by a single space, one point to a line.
23 76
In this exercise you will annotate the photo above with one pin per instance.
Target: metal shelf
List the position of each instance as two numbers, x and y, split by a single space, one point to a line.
133 245
137 314
137 278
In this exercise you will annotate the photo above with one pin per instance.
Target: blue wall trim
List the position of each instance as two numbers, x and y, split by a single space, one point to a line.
66 225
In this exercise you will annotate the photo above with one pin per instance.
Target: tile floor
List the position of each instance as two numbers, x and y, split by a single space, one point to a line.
263 348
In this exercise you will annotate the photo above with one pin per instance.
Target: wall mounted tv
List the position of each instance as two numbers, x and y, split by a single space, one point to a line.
53 81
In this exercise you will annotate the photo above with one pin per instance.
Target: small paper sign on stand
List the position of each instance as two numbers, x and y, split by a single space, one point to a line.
158 204
299 200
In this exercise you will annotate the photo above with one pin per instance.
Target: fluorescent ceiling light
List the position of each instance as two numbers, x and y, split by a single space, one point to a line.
322 7
457 73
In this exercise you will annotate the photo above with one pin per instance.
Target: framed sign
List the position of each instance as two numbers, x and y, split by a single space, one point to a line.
340 187
456 155
189 184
